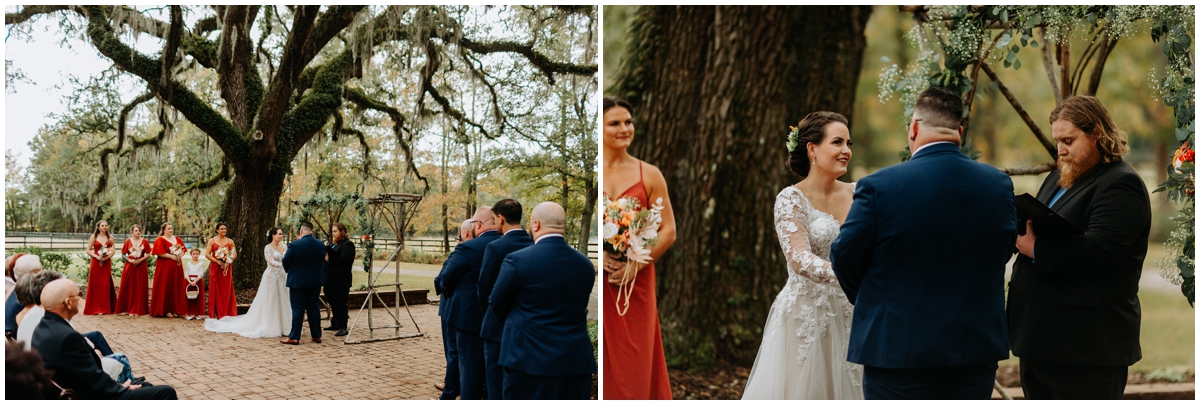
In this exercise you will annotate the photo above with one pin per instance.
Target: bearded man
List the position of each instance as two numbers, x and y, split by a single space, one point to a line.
1073 310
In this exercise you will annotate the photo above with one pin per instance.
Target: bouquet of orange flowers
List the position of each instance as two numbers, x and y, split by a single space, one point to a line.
135 251
222 255
630 231
178 249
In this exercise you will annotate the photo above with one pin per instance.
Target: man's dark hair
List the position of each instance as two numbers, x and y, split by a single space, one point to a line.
29 288
940 107
510 209
306 225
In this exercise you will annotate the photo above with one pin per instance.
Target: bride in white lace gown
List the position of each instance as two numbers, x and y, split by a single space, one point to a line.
270 314
806 338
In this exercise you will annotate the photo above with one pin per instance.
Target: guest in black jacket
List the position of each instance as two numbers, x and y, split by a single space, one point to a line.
75 365
339 260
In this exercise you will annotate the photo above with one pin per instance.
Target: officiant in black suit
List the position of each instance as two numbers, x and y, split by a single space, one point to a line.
339 260
1073 309
460 281
541 297
508 219
304 263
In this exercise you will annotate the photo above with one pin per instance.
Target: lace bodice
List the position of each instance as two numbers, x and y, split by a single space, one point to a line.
274 263
805 234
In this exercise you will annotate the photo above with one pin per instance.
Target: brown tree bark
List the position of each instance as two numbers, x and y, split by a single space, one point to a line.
714 90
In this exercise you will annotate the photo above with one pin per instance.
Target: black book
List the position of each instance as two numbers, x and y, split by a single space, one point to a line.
1046 222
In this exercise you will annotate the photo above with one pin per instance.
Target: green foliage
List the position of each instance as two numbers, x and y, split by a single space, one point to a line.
60 262
1170 374
594 334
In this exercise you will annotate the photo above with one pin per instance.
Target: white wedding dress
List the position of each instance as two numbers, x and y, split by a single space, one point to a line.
805 340
270 314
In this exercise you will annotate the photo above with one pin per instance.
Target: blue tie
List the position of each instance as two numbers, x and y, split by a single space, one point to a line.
1060 193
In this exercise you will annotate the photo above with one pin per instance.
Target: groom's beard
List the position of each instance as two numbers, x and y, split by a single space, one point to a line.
1071 169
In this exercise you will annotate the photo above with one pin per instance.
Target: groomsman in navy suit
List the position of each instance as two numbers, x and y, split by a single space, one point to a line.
541 296
449 387
460 281
922 257
508 218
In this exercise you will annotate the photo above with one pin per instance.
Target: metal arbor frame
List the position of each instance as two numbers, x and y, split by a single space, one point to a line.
396 209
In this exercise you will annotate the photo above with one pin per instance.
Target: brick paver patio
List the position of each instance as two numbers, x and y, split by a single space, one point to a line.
206 365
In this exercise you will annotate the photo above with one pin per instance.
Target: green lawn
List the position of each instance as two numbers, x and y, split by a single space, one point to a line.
1168 333
410 282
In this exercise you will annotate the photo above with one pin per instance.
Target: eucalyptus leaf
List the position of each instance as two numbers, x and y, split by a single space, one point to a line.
1017 65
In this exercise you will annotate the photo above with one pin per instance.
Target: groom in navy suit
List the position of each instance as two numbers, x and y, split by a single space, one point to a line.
541 297
304 263
460 279
922 257
508 218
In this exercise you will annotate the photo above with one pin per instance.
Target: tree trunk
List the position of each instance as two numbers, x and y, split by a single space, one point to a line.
714 90
586 219
250 209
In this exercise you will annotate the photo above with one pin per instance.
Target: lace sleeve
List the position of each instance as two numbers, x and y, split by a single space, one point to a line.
790 218
267 251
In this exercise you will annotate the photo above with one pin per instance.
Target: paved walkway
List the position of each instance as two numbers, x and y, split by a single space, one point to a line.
206 365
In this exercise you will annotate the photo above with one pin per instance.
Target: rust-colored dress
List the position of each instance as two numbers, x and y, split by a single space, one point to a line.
168 296
221 300
133 297
100 293
634 364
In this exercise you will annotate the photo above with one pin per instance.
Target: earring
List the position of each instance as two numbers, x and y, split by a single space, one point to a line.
814 162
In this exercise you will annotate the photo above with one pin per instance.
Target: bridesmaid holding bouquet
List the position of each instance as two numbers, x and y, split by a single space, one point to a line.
167 298
100 293
221 253
133 297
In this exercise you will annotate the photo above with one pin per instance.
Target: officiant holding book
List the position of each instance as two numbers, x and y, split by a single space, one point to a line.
1073 309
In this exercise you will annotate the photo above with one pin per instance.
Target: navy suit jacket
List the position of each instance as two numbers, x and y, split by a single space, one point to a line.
304 263
437 281
460 281
11 309
542 295
493 257
65 352
922 257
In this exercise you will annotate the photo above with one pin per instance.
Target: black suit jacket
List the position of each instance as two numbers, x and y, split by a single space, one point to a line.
493 257
341 261
1077 302
65 352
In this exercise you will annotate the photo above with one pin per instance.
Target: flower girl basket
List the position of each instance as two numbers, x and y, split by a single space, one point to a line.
193 291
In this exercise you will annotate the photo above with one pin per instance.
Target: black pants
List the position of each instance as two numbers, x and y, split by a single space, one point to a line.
518 385
955 382
1052 380
305 301
337 296
157 392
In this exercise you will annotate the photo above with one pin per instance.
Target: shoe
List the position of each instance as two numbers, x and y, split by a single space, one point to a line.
289 341
316 340
331 327
440 386
342 332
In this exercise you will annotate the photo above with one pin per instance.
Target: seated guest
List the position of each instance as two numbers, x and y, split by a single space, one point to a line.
24 375
29 295
541 296
65 352
25 264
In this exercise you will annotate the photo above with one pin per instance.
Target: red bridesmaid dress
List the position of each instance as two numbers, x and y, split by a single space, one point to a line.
168 296
634 364
132 297
100 293
221 300
195 305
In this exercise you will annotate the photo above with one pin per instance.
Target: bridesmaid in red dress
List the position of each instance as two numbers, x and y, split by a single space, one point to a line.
100 293
167 298
221 253
634 364
133 298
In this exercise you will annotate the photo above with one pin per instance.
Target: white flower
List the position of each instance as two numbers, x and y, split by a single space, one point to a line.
610 230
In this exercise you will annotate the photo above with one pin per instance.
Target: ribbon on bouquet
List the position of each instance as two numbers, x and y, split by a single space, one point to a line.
628 280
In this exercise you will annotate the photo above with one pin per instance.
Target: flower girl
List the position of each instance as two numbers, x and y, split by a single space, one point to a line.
195 286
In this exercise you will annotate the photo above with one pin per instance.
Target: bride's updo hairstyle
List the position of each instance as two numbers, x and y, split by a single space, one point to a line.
610 102
810 129
271 234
